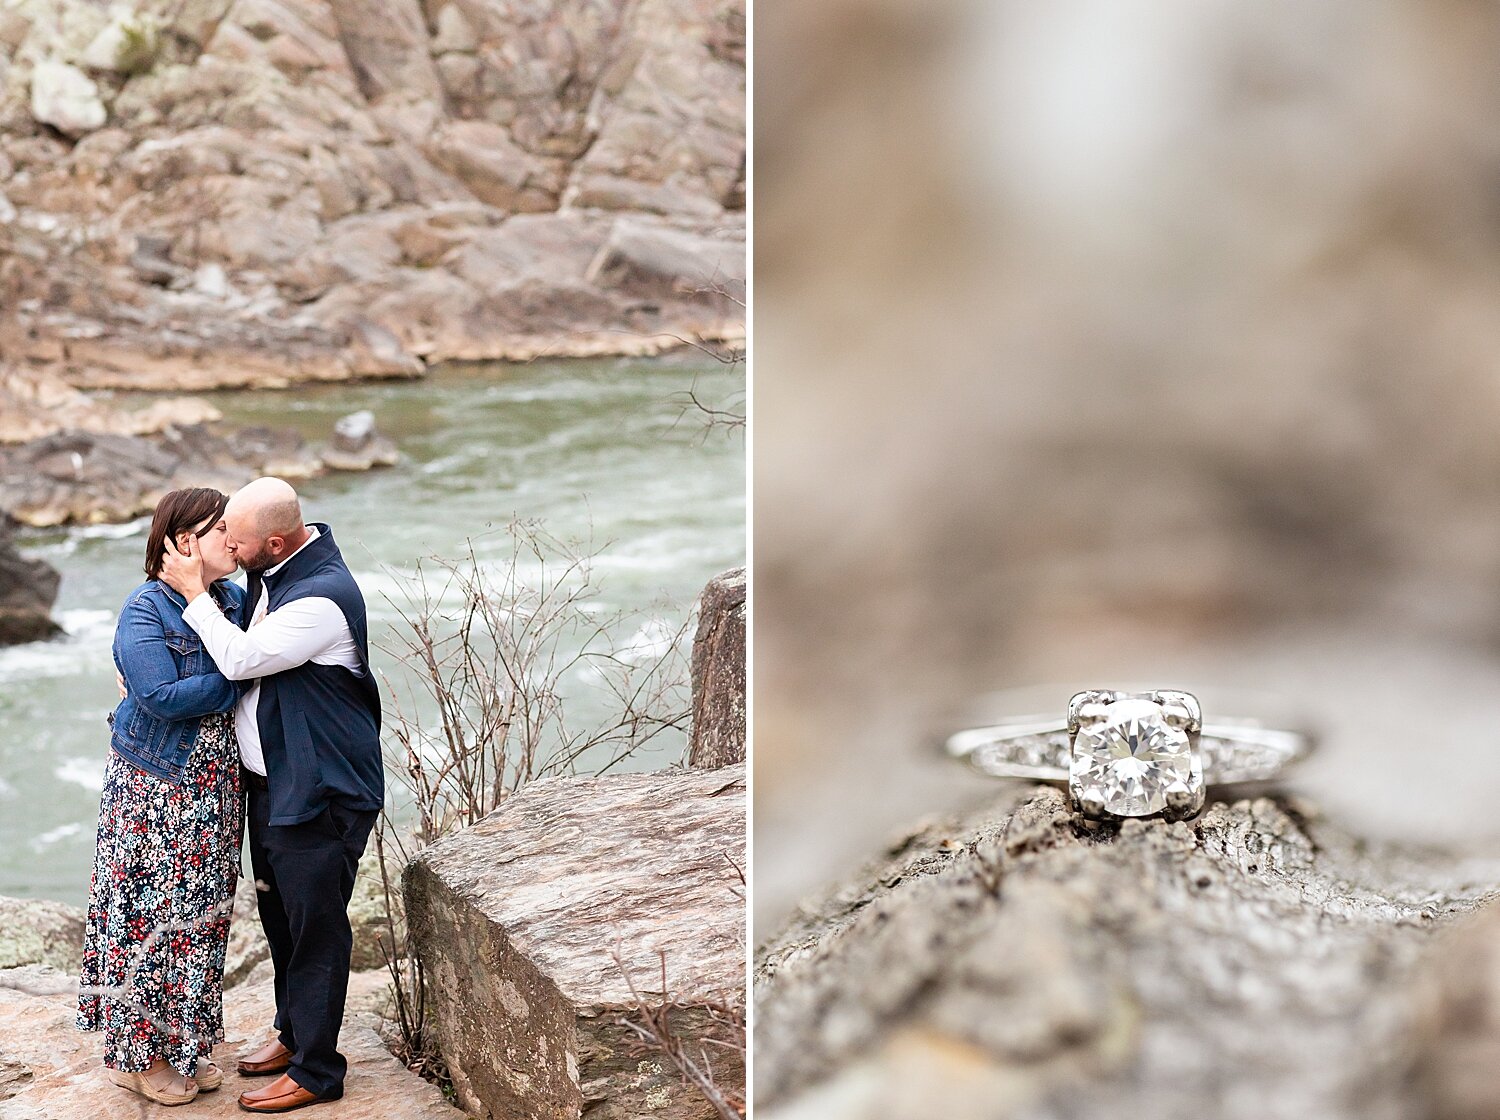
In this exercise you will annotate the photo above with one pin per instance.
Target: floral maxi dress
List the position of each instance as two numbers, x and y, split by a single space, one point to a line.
165 869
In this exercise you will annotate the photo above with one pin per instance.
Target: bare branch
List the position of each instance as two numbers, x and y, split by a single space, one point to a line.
497 645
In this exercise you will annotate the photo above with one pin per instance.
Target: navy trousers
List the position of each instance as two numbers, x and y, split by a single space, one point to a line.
305 877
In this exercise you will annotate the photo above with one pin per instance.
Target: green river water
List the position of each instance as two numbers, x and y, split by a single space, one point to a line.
598 449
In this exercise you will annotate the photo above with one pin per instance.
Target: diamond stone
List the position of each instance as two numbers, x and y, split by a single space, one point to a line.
1129 761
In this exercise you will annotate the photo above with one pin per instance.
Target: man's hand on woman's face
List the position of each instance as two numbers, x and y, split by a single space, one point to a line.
183 572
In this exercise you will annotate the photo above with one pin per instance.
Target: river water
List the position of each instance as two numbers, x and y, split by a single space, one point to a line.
600 451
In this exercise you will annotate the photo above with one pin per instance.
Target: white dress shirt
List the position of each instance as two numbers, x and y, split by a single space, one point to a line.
295 633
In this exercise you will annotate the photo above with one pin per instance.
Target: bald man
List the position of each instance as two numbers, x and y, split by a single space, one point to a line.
308 724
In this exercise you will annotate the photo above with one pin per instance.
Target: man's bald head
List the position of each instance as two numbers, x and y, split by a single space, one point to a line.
264 522
269 505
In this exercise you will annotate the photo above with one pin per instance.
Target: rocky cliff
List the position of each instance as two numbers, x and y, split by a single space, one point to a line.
257 192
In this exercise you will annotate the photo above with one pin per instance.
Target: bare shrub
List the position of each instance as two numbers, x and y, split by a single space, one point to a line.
496 648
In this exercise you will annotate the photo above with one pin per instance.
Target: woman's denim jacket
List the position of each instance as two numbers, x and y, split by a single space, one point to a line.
171 681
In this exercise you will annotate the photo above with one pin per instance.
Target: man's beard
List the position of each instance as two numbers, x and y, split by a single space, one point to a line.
255 562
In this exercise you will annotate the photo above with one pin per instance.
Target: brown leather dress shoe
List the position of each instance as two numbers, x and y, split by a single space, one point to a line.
270 1058
281 1095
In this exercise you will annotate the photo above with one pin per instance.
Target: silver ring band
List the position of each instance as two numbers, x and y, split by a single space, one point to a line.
1121 754
1038 750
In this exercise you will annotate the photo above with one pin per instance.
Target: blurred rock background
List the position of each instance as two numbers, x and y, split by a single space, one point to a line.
1123 339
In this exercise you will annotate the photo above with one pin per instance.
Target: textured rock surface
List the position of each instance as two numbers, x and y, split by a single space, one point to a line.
28 588
66 98
50 1071
34 404
1257 962
718 732
286 190
530 921
35 931
79 476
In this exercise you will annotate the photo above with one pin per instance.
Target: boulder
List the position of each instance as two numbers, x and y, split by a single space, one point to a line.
28 588
375 350
496 169
357 446
66 98
51 1071
453 32
84 477
654 258
161 415
534 923
675 118
247 941
718 668
38 932
152 263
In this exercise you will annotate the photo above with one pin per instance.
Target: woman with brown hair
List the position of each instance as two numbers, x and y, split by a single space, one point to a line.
167 855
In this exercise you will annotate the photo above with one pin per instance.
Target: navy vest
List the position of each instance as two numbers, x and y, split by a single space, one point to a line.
320 724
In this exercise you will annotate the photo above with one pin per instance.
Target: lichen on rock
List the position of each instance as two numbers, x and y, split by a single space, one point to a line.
40 932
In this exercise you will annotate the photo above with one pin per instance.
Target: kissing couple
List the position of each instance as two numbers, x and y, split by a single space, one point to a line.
256 705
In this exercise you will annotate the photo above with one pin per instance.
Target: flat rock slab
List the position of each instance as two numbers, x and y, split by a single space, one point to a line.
533 923
51 1071
1255 963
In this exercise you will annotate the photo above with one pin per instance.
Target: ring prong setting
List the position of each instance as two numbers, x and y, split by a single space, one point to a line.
1091 805
1135 754
1184 804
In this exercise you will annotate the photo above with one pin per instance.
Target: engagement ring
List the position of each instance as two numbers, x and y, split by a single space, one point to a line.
1133 754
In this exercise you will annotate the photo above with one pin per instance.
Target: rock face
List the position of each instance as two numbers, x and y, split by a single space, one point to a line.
34 404
718 733
530 921
84 477
38 932
28 588
1257 962
50 1071
271 192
